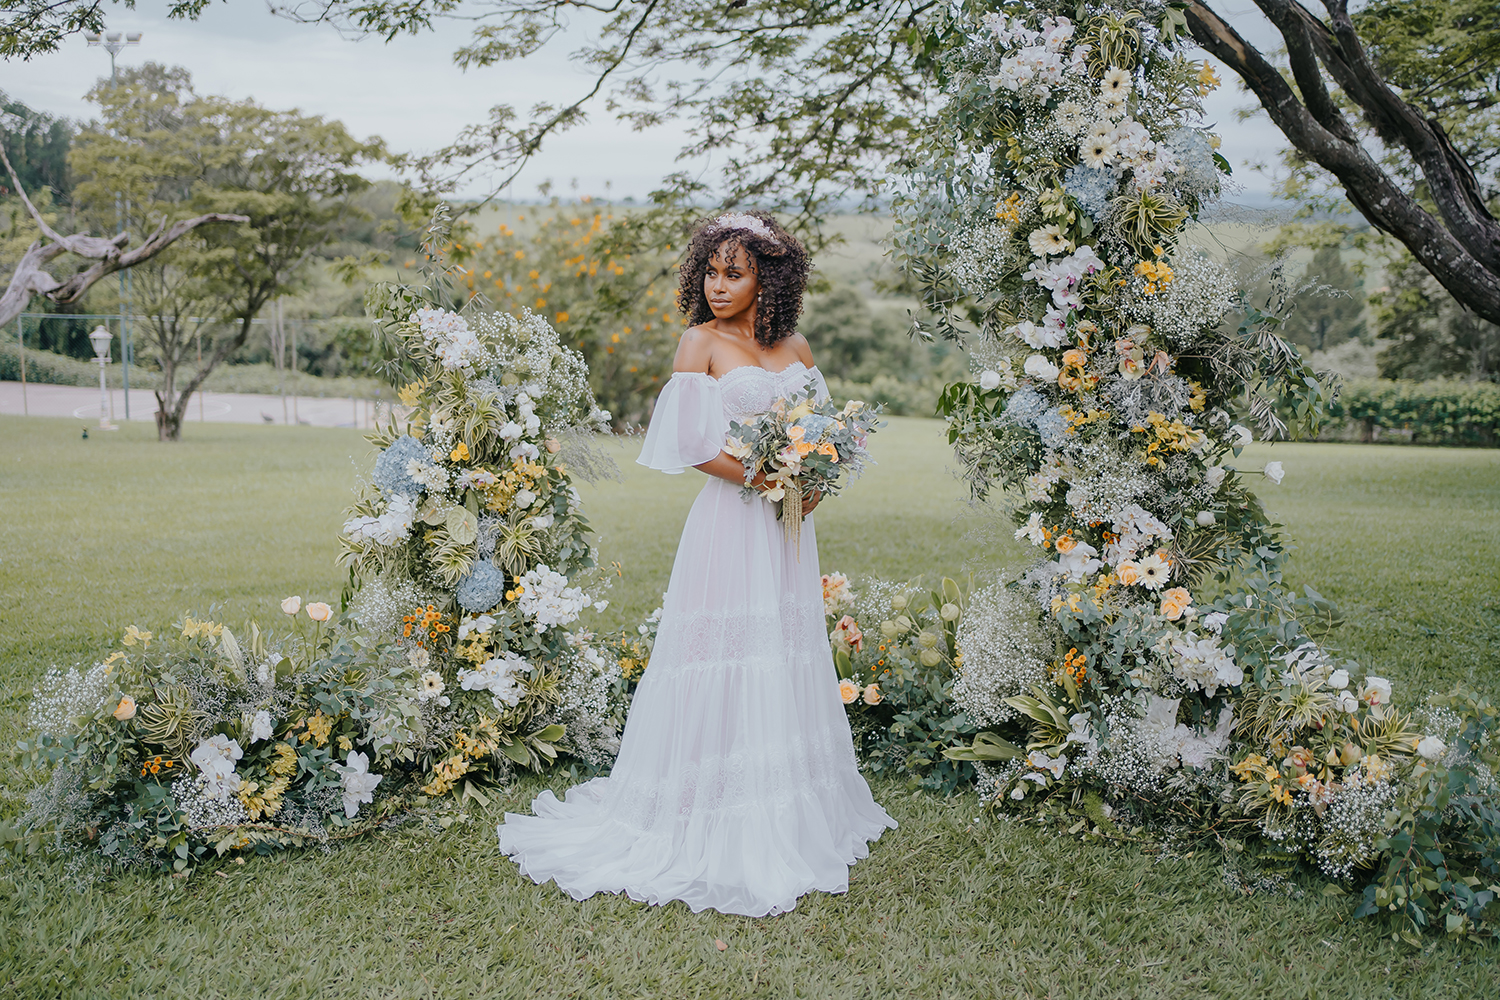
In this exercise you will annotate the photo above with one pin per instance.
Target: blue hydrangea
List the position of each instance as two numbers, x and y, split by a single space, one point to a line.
1091 187
483 588
1025 406
1195 158
1053 429
390 466
1029 409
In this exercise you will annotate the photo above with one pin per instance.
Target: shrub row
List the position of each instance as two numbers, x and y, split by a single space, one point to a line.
45 367
1440 411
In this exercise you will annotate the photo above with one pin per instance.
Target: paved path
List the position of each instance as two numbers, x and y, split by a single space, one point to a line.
78 403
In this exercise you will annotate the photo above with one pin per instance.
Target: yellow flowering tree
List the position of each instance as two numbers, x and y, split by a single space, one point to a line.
618 309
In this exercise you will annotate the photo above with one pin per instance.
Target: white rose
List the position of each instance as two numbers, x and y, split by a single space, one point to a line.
1274 472
1338 679
524 498
1214 477
292 605
1241 435
1205 518
1431 747
1037 366
989 381
319 612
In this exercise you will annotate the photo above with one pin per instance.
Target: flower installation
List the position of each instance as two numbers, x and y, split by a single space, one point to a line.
192 742
1150 668
459 656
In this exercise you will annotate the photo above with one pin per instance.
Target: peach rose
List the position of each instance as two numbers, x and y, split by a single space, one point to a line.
848 691
872 694
1174 602
1128 573
553 446
125 710
1066 544
292 605
319 612
1074 358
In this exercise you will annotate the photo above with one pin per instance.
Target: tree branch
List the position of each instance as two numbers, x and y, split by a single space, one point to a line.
1450 254
32 278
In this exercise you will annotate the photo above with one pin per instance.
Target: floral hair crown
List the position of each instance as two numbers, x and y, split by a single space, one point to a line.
740 220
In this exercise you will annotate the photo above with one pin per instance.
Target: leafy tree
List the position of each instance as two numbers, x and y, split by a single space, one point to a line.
37 145
1432 335
162 150
1331 310
859 344
805 103
618 309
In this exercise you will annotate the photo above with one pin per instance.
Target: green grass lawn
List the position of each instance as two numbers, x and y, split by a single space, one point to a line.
120 530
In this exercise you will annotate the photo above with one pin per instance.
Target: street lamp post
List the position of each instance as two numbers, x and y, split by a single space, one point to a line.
115 42
100 338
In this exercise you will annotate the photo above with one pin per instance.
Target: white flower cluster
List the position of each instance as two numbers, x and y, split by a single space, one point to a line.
1038 65
63 700
357 783
547 599
498 677
391 527
981 256
1200 293
215 758
450 337
1203 665
1005 651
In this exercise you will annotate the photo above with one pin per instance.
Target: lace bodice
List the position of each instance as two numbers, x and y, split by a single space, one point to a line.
749 389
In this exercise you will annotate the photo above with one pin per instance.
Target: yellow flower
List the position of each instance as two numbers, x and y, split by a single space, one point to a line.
134 635
1207 79
1246 769
285 763
848 691
318 728
460 453
411 392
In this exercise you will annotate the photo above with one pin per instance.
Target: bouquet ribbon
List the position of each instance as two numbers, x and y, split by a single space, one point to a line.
791 515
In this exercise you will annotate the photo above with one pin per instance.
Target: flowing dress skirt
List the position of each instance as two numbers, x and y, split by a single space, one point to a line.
736 786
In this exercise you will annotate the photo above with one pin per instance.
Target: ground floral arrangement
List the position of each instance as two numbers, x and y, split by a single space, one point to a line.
457 656
1150 670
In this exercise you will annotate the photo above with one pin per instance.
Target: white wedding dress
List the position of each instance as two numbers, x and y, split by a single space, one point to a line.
736 786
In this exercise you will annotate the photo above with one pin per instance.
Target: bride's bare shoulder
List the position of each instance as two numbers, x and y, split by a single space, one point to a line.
695 350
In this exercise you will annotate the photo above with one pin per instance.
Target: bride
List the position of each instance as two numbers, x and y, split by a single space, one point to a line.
736 785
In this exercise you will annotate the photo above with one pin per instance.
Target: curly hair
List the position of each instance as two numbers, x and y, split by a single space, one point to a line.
780 262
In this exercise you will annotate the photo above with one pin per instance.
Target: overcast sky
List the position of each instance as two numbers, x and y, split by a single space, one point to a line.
409 92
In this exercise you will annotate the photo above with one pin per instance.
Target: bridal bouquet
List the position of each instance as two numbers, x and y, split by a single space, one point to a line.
803 446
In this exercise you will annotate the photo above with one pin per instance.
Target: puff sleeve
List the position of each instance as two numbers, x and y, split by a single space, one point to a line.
688 426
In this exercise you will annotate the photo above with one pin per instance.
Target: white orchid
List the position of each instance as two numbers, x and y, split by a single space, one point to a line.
358 783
